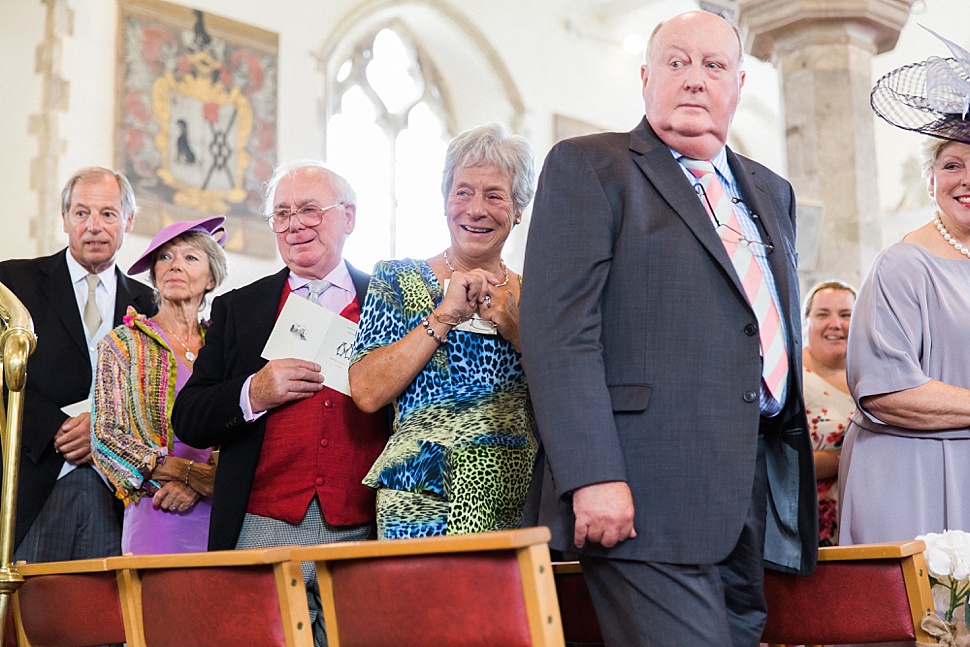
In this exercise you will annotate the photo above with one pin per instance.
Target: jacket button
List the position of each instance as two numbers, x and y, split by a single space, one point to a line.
327 403
751 330
319 481
324 442
750 396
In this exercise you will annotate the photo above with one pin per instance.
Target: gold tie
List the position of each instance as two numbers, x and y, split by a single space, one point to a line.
92 316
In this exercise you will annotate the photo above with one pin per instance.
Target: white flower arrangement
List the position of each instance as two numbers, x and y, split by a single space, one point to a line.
948 562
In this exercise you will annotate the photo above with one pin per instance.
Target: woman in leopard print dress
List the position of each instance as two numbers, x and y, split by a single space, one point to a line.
439 340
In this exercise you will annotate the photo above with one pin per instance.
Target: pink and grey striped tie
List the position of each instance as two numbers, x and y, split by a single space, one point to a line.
774 366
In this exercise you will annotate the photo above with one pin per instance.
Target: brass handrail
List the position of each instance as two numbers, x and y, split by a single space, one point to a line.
17 342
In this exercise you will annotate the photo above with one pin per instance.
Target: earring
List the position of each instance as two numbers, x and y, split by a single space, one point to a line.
518 220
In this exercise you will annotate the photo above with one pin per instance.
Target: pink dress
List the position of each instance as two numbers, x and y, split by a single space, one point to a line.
147 530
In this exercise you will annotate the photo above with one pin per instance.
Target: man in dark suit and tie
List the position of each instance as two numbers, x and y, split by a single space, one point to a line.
293 451
64 509
659 338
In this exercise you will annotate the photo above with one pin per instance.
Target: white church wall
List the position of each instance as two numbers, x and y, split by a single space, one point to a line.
562 57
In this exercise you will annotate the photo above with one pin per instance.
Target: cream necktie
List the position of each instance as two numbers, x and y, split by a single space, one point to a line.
92 316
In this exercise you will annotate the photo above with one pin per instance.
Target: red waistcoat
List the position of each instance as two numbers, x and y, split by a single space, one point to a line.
321 446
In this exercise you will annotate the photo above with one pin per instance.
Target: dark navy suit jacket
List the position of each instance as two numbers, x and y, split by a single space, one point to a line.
59 370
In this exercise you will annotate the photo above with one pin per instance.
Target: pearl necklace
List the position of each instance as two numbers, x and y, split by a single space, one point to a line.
950 238
501 262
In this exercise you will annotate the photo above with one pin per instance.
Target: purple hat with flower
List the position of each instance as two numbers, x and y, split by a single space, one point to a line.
212 226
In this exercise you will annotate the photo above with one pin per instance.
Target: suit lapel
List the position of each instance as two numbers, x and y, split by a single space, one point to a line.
259 316
125 295
59 292
360 281
667 177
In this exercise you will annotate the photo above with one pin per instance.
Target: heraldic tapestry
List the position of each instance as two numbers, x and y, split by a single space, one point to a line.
196 123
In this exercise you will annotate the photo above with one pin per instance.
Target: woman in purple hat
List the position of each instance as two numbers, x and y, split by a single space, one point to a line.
142 365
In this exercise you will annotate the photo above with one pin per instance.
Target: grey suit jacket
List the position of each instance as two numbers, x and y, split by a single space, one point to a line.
59 370
642 355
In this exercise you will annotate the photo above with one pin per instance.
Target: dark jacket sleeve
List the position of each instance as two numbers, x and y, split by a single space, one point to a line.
207 411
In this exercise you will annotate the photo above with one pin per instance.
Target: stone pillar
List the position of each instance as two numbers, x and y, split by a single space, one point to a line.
44 124
823 50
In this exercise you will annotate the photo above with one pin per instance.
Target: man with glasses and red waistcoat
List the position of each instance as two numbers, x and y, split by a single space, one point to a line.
293 451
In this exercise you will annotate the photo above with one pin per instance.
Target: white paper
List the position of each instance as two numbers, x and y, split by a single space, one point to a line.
305 330
76 409
84 406
335 352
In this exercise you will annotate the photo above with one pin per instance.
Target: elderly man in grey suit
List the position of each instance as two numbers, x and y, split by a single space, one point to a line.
64 509
663 358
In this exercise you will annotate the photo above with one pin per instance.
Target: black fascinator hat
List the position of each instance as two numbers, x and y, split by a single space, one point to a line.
931 97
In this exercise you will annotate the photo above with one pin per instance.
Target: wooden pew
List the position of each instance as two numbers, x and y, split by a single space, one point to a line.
477 590
216 599
873 593
220 599
579 623
71 604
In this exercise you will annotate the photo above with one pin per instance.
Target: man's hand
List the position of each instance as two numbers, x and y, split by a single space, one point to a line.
604 514
73 439
282 381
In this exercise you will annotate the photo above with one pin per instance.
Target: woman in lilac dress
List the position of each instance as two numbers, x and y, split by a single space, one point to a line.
142 365
904 469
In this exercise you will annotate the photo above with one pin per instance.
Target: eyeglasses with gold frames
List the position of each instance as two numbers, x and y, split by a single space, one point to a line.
309 215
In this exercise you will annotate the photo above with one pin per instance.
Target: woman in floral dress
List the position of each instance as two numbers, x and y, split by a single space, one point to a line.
827 311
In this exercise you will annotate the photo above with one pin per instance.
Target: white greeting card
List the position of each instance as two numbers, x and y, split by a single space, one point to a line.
305 330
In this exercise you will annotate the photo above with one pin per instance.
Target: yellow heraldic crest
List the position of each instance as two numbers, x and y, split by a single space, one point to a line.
203 129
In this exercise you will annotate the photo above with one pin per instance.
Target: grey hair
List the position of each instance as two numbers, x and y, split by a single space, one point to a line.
831 284
218 264
733 25
91 173
339 184
930 151
492 145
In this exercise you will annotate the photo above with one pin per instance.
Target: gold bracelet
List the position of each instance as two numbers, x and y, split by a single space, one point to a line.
431 333
434 313
188 470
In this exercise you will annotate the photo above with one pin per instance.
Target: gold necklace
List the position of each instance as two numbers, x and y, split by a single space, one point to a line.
505 269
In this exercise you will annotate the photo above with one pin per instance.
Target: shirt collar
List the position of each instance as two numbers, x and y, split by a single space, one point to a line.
339 277
108 278
719 161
